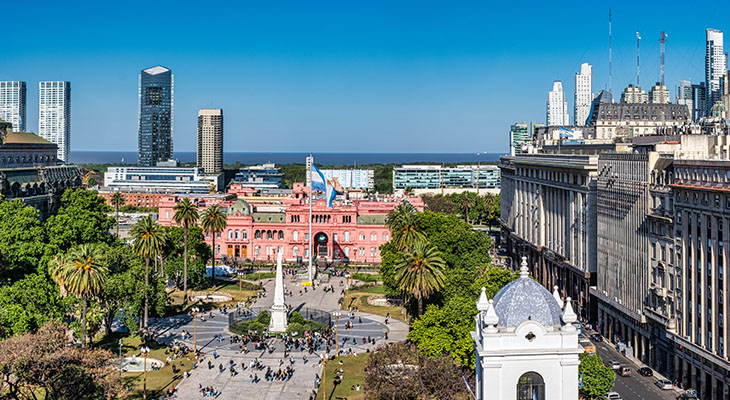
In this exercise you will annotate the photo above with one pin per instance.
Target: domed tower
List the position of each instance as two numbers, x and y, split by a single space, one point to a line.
526 344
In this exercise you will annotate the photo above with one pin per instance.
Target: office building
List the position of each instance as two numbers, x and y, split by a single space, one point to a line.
166 179
520 134
156 93
557 107
210 140
699 98
583 94
422 179
54 115
659 94
12 104
363 179
264 176
685 96
715 67
633 95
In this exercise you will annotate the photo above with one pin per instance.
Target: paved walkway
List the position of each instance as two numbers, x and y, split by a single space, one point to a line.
301 384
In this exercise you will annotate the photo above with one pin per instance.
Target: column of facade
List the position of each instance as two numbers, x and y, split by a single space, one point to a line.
712 223
725 278
702 248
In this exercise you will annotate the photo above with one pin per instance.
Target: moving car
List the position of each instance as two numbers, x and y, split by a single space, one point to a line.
613 364
688 395
624 371
612 396
646 371
596 337
664 384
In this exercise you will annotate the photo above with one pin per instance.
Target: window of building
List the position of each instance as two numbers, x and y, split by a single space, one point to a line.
244 234
373 251
295 236
269 235
257 235
347 236
362 236
385 237
230 234
334 237
373 237
281 235
531 386
295 251
306 237
347 251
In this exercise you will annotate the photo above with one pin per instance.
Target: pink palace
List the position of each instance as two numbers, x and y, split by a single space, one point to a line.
257 225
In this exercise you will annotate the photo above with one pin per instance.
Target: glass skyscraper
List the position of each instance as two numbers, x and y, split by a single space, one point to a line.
156 87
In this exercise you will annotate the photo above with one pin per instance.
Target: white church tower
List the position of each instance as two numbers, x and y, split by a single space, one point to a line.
526 345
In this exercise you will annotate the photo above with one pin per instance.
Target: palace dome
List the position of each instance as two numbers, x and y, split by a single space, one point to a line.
241 206
524 299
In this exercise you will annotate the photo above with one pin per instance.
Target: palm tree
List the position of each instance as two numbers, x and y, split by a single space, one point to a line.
186 214
403 225
213 221
117 201
466 203
420 272
148 239
83 274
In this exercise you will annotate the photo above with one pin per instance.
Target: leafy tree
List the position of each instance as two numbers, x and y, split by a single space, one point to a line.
403 223
420 272
597 378
83 274
213 220
46 365
117 201
148 240
29 303
198 256
186 214
400 372
22 239
467 201
80 219
439 203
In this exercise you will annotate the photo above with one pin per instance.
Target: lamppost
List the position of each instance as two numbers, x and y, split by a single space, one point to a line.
195 311
145 351
121 362
337 316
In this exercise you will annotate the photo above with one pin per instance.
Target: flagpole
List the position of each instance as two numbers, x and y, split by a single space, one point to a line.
310 220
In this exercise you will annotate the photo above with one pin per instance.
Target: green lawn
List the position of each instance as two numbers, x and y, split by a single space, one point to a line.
358 298
247 293
157 381
353 375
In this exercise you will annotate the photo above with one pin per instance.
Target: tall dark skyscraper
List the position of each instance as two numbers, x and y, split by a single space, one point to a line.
156 87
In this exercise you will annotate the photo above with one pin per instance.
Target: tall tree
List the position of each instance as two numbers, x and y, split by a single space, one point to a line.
82 218
403 223
148 238
83 274
213 220
421 272
597 378
22 239
186 214
117 201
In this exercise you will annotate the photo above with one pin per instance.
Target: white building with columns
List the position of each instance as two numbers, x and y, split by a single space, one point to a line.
526 344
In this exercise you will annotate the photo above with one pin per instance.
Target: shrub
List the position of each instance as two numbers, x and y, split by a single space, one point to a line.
296 318
264 318
244 327
366 277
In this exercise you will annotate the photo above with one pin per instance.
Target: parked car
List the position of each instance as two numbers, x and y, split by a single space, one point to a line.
613 364
646 371
664 384
612 396
688 395
596 337
624 371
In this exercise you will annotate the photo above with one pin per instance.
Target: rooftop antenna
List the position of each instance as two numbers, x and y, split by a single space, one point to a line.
638 38
662 40
610 87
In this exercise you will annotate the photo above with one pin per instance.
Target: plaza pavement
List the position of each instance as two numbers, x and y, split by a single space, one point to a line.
301 385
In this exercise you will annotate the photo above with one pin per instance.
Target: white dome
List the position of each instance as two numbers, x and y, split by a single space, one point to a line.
524 299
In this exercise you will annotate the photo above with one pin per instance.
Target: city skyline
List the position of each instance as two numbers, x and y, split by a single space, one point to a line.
372 70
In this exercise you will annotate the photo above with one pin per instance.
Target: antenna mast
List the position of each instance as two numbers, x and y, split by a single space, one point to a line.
610 87
638 38
662 40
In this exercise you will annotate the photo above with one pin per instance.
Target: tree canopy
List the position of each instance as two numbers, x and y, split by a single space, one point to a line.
597 378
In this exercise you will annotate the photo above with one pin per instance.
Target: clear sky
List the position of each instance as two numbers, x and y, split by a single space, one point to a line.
351 76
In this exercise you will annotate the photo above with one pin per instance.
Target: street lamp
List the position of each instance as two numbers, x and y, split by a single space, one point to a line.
195 311
121 362
337 316
145 351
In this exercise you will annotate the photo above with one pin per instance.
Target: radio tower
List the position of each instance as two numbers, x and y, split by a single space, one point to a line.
610 91
662 40
638 38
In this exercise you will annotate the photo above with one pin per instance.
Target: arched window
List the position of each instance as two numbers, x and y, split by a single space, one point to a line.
347 236
230 234
295 251
531 386
235 234
347 252
269 235
295 236
372 252
257 235
281 235
244 234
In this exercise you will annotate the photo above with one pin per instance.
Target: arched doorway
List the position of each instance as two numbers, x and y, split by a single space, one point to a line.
531 386
320 244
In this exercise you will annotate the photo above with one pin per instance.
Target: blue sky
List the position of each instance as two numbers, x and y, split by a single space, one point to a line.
367 76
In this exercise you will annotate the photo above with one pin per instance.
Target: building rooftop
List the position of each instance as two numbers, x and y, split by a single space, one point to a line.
156 70
24 138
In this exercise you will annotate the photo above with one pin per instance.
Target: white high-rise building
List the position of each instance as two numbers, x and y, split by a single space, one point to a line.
210 140
583 94
12 104
54 115
557 107
715 68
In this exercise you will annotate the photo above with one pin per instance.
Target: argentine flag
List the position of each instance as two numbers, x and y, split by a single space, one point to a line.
323 185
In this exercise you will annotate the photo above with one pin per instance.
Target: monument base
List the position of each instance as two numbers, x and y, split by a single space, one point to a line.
278 321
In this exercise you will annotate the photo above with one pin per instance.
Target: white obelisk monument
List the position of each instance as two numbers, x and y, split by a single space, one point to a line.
278 309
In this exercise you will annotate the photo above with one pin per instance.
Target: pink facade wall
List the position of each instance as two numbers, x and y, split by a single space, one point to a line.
244 238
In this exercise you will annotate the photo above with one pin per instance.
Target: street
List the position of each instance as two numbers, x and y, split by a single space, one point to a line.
635 386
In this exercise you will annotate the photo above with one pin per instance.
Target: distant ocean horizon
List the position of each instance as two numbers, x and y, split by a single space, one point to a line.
130 157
